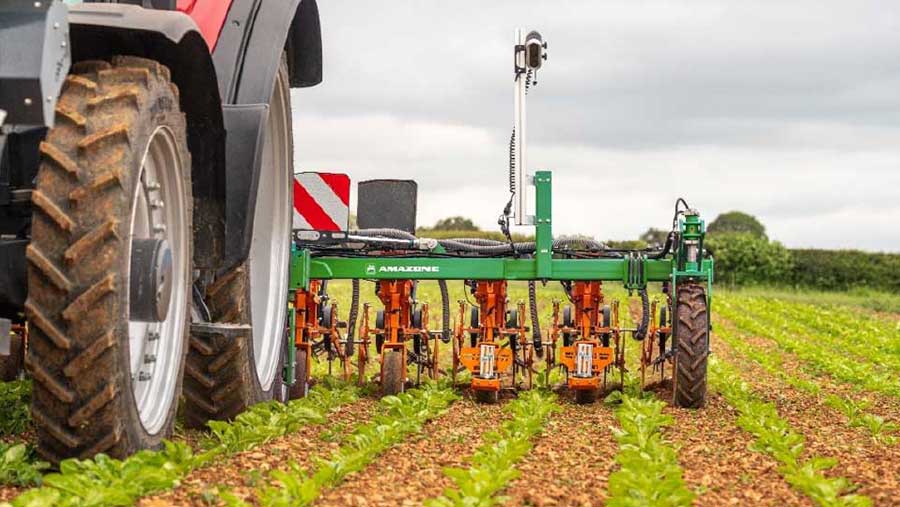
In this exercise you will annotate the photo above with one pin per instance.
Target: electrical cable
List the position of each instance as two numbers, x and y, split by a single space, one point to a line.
445 309
351 321
535 324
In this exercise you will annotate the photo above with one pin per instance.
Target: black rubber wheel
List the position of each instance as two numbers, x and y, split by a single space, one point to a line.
393 373
475 323
567 321
11 365
585 396
486 397
223 378
512 319
379 324
90 183
606 313
416 322
692 339
301 383
326 320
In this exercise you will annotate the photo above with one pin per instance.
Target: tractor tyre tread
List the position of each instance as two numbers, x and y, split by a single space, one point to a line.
692 340
77 306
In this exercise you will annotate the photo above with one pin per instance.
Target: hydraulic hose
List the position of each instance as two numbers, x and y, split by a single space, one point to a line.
641 331
445 311
351 321
535 324
384 233
665 250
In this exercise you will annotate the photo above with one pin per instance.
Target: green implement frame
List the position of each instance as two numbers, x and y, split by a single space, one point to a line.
635 270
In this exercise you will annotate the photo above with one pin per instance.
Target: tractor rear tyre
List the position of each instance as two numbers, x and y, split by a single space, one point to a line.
227 375
11 365
586 396
112 217
392 376
487 397
691 337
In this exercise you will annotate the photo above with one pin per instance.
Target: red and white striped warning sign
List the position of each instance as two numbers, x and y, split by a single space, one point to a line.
321 201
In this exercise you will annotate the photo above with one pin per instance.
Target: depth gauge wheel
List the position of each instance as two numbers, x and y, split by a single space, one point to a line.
392 379
227 375
110 263
691 337
585 396
487 397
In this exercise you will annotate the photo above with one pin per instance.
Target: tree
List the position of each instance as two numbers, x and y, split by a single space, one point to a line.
654 237
745 259
739 222
455 224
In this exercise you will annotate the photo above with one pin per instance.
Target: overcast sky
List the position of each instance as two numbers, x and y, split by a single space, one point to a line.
786 110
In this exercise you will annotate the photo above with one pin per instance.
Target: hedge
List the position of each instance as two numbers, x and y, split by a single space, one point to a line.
846 269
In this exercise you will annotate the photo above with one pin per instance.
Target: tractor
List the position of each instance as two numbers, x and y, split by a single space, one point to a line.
145 193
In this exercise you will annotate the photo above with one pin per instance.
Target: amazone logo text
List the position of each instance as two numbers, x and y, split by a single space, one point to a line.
409 269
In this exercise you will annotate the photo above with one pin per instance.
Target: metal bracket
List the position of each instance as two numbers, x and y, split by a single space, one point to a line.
5 328
220 329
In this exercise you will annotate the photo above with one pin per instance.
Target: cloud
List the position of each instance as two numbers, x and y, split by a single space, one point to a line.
785 110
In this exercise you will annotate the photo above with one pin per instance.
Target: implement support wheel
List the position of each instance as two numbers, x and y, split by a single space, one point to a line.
392 380
488 397
691 336
586 396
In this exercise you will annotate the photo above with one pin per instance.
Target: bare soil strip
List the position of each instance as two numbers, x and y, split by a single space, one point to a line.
570 463
242 472
7 493
413 471
860 459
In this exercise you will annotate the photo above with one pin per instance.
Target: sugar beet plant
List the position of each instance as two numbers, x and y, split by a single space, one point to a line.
400 416
854 410
821 361
493 464
649 473
869 340
776 437
103 481
19 466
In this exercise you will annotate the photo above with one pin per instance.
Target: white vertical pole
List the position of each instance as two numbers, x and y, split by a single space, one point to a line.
521 200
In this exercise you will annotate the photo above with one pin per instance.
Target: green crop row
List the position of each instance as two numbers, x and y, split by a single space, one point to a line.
649 472
776 437
104 481
15 400
493 464
854 410
837 331
820 360
400 416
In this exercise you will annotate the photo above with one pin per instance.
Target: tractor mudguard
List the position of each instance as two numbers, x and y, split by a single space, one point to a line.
254 38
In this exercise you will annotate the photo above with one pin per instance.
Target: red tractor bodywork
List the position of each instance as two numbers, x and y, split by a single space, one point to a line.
209 16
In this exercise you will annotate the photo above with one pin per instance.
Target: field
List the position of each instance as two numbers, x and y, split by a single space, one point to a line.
803 409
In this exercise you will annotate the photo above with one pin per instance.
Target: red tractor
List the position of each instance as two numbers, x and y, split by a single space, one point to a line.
145 207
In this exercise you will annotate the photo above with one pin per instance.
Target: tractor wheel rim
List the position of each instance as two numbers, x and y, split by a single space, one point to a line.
160 211
270 245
